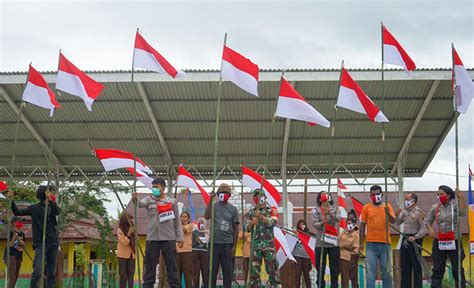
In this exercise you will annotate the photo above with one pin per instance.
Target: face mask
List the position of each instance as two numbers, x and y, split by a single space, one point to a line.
201 226
443 199
224 197
324 198
376 198
19 225
351 226
408 203
156 192
302 227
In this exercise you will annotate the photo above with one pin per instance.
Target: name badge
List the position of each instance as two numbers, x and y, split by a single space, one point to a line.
165 212
446 241
330 235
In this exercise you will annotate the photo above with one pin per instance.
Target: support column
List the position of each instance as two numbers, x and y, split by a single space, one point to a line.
70 259
400 176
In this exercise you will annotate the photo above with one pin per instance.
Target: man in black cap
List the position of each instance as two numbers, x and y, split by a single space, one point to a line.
226 231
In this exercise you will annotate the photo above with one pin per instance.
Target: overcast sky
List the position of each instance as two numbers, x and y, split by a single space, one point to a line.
275 34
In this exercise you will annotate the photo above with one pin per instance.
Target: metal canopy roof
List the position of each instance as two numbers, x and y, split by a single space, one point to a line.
175 121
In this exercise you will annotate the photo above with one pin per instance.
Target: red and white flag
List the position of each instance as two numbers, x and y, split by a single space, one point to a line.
113 159
282 247
293 106
393 52
309 243
341 200
146 57
353 98
253 180
239 70
462 82
142 177
358 206
75 82
185 179
37 92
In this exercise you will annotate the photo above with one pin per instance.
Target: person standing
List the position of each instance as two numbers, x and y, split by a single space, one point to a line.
126 250
349 245
260 220
200 264
46 197
414 229
446 242
163 232
303 262
326 217
185 252
378 247
17 244
226 231
246 238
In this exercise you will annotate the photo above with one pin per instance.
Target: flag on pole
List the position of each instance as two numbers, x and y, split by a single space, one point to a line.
462 84
253 180
185 179
309 243
471 212
282 247
341 200
146 57
37 92
239 70
293 106
75 82
113 159
142 177
3 186
358 206
353 98
393 52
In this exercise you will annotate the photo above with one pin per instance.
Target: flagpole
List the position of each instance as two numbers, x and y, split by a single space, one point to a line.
214 170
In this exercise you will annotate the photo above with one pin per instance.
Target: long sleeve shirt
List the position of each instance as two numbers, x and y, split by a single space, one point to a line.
124 250
413 220
349 244
334 217
168 230
445 216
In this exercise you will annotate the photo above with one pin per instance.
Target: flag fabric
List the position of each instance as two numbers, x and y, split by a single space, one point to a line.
239 70
353 98
142 177
293 106
358 206
309 243
253 180
3 186
37 92
146 57
471 213
113 159
341 200
185 179
393 52
463 86
282 247
75 82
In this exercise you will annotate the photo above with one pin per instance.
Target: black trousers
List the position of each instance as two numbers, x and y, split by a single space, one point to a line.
334 268
50 266
410 263
126 271
439 264
221 258
152 255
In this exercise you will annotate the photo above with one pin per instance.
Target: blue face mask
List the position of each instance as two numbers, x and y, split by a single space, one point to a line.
156 192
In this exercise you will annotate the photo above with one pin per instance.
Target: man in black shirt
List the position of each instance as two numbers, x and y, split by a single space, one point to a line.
45 195
17 244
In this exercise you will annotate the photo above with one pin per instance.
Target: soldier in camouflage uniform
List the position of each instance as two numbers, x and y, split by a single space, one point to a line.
263 218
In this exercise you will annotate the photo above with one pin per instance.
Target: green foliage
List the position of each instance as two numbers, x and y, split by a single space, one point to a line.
80 255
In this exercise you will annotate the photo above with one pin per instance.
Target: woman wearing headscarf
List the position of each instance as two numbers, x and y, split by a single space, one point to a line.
303 262
126 250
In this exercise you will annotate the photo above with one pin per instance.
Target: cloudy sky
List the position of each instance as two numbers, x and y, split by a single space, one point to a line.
275 34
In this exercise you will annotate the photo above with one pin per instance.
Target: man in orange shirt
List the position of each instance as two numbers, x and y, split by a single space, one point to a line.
374 220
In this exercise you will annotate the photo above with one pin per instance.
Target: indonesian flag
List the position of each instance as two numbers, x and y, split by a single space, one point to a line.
113 159
463 87
353 98
309 243
239 70
185 179
358 206
253 180
142 177
37 92
341 200
75 82
293 106
393 52
282 247
146 57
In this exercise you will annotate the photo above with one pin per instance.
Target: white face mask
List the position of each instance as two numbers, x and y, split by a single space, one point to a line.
351 226
378 198
201 226
408 203
303 227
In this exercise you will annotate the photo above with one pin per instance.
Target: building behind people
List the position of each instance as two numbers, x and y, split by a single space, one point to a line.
326 217
164 231
303 262
184 251
225 234
378 247
46 197
245 237
446 241
126 253
200 257
349 247
17 244
412 218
